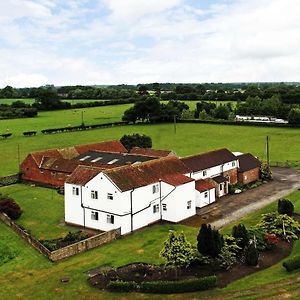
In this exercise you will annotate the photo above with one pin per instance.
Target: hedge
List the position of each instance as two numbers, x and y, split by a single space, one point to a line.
122 286
292 263
81 127
182 286
29 133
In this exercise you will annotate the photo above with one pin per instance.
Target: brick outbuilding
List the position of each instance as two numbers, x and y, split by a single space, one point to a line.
249 168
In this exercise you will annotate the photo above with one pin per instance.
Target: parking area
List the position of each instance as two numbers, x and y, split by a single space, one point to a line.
232 207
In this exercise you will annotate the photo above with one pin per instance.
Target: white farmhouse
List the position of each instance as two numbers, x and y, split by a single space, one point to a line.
133 196
130 197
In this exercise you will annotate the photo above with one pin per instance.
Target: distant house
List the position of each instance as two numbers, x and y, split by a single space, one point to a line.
249 168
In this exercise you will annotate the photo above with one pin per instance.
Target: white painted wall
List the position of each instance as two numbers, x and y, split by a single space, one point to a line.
203 199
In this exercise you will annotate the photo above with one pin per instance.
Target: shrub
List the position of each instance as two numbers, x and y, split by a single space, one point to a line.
258 235
182 286
265 172
240 233
29 133
10 207
285 206
210 241
6 135
251 255
292 263
122 286
281 225
136 140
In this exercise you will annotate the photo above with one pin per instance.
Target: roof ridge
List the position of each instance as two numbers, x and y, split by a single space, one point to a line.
215 150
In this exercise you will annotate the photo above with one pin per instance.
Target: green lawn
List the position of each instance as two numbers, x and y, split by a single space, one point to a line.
189 139
31 276
10 101
43 210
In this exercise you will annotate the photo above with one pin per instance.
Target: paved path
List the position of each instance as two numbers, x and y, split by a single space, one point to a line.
233 207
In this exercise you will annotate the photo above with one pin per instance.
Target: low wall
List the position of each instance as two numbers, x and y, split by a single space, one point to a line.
84 245
8 180
65 252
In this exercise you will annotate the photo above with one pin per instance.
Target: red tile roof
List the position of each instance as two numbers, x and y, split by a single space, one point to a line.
150 152
177 179
134 176
83 174
203 185
108 146
71 152
248 162
207 160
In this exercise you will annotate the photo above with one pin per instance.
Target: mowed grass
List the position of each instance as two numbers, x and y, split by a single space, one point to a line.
43 210
64 118
31 276
9 101
189 139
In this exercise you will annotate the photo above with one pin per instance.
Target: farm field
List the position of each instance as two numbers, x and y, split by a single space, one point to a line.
189 138
10 101
29 268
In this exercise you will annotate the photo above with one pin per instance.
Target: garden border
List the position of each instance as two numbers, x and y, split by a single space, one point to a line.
65 252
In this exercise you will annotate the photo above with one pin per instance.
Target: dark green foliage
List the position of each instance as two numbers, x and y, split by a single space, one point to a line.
182 286
210 241
70 238
265 172
294 116
259 235
251 255
29 133
240 233
221 112
292 263
285 206
136 140
122 286
10 207
6 135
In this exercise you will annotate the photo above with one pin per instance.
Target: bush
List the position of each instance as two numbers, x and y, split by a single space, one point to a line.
292 263
285 206
240 233
29 133
10 207
182 286
6 135
136 140
265 172
251 255
258 235
122 286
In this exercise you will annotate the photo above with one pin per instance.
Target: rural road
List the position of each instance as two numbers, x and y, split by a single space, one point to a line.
232 207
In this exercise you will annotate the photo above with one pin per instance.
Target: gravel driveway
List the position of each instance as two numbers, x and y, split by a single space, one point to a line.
232 207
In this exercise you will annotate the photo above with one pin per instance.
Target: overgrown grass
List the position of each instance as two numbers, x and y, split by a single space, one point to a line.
43 210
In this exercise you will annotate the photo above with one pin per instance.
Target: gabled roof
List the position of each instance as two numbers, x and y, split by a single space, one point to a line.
134 176
150 152
108 146
209 159
203 185
71 152
177 179
248 162
83 174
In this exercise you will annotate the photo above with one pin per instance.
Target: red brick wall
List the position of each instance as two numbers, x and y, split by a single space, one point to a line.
31 172
248 176
233 175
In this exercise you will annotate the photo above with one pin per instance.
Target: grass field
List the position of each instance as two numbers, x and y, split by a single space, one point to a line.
43 210
31 276
189 139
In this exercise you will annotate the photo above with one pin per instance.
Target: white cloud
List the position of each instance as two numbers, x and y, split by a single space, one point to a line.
147 41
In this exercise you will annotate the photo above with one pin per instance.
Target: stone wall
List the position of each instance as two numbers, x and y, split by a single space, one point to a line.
8 180
90 243
68 251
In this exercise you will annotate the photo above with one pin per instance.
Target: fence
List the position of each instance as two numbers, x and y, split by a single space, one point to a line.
65 252
8 180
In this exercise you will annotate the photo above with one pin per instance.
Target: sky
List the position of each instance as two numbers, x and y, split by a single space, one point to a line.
144 41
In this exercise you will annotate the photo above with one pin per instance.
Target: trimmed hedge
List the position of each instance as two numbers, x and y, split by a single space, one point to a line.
122 286
81 127
182 286
292 263
29 133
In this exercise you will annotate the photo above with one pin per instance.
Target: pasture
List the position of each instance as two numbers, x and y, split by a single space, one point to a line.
31 269
189 138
